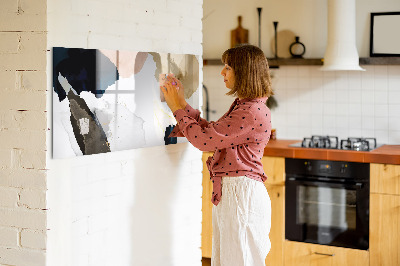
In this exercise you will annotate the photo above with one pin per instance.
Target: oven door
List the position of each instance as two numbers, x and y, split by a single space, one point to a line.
327 213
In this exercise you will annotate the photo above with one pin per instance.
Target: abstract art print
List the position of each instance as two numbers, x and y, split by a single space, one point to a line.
110 100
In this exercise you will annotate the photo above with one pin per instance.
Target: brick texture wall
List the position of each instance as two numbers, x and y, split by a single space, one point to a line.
136 207
23 43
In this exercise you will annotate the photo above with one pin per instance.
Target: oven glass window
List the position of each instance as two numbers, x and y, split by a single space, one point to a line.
327 207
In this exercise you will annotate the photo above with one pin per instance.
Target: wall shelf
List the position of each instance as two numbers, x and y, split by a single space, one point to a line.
274 63
380 61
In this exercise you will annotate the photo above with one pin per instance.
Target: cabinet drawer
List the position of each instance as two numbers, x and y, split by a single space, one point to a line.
305 254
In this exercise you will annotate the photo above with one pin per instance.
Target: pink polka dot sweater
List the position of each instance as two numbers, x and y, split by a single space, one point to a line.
238 139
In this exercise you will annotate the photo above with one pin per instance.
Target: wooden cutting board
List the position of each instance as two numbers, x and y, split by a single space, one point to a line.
239 35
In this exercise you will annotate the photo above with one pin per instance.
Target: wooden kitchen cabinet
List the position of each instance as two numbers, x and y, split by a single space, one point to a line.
206 225
305 254
385 178
384 236
277 233
274 168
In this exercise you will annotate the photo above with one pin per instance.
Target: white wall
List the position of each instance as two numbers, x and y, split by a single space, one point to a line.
23 132
136 207
311 102
305 18
345 103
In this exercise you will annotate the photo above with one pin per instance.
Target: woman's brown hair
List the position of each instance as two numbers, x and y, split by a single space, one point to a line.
250 66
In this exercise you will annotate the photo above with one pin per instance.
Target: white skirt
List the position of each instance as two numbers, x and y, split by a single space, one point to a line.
241 223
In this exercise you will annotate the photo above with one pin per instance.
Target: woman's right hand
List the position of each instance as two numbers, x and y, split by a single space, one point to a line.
181 90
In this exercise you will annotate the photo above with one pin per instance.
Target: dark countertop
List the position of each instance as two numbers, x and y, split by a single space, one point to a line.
389 154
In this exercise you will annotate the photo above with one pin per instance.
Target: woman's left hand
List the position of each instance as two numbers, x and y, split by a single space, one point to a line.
170 90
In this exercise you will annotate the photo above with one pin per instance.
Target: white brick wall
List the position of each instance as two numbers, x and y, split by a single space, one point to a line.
137 207
94 199
33 239
23 132
9 237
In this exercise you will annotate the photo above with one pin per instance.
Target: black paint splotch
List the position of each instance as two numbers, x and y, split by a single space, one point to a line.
95 141
80 68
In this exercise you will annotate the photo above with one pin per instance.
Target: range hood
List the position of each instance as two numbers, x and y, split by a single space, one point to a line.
341 51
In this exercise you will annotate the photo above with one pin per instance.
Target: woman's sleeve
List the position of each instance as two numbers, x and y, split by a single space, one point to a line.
235 129
193 113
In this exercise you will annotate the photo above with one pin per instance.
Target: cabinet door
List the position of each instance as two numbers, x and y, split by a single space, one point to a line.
305 254
277 233
274 168
206 232
385 178
384 236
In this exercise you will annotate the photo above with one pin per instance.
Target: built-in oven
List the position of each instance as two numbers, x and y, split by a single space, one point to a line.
327 202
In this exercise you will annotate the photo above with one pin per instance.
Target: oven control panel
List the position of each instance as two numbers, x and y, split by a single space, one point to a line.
336 169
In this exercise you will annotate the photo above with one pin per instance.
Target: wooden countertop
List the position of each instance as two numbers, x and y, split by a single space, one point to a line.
389 154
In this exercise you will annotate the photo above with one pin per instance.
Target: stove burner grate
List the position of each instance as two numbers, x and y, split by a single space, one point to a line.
332 142
358 144
327 142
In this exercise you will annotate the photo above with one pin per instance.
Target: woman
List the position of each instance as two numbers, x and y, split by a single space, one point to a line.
242 208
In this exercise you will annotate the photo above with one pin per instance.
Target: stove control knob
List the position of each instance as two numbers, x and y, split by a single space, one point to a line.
343 168
308 166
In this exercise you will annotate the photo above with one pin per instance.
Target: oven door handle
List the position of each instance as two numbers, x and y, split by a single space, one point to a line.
357 185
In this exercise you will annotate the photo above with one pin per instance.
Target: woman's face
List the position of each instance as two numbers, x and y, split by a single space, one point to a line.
229 76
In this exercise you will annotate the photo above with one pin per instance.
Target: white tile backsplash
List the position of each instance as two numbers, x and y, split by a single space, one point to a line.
367 96
343 103
382 136
367 123
291 71
367 82
380 84
342 123
342 95
394 123
381 110
304 82
355 96
381 97
367 110
304 72
394 110
329 109
394 137
380 71
342 109
292 83
394 97
393 71
394 82
381 122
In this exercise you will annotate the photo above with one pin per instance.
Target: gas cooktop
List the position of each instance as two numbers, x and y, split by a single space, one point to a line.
332 142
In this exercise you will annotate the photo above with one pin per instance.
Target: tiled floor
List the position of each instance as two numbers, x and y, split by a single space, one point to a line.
206 261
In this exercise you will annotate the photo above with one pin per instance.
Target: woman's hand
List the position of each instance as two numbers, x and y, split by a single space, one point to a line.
173 94
181 92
